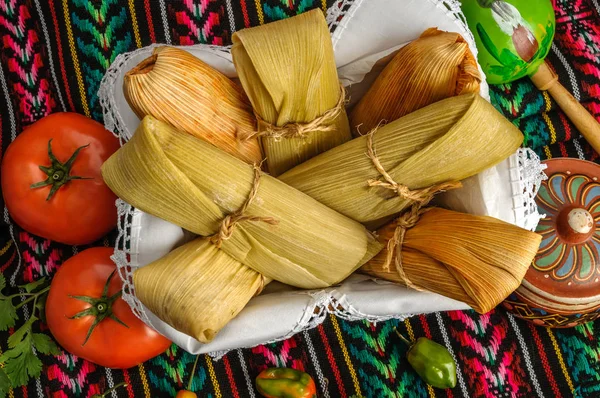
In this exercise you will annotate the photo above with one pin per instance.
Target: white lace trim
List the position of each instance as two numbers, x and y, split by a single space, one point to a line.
316 312
526 176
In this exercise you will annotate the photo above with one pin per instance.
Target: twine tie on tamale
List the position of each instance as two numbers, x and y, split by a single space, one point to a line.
410 218
299 130
228 224
420 196
394 245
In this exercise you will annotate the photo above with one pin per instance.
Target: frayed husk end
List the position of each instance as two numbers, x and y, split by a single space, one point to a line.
474 259
438 65
292 81
196 288
175 87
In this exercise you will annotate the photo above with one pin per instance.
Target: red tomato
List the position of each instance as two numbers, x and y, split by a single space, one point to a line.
80 211
110 344
185 394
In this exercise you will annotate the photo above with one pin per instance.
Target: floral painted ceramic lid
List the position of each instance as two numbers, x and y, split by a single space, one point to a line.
562 286
570 246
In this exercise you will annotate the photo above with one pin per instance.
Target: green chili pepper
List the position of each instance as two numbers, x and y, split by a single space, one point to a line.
432 362
285 383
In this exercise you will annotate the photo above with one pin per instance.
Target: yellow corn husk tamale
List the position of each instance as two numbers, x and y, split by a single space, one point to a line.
193 184
176 87
474 259
197 288
438 65
447 141
288 70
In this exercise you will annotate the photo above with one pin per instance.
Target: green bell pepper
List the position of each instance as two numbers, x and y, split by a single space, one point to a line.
285 383
432 362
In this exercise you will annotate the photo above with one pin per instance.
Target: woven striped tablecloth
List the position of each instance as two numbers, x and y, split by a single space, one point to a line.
53 56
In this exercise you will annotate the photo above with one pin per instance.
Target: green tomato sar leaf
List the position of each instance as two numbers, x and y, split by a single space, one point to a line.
8 314
4 383
2 286
33 286
21 333
40 306
23 367
20 362
44 344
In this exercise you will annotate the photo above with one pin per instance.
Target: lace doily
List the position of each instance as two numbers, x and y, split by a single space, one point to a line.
525 177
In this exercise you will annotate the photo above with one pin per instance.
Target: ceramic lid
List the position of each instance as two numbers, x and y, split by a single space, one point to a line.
566 269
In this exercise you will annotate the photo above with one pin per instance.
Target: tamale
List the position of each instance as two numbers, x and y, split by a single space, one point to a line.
447 141
436 66
197 288
288 70
478 260
175 87
282 234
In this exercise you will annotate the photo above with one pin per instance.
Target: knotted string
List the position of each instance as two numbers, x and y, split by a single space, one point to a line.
422 196
394 246
229 222
409 219
299 130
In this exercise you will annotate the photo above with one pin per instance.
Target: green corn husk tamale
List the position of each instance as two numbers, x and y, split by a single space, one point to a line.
447 141
193 184
197 288
288 71
472 259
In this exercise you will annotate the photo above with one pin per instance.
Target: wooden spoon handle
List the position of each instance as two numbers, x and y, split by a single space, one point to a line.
546 80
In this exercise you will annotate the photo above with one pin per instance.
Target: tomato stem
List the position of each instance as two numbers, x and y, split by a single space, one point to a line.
404 339
122 384
100 308
33 296
12 296
189 386
58 174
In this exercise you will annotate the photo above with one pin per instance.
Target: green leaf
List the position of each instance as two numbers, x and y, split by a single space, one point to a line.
2 285
8 314
40 305
21 333
44 344
20 363
30 287
4 383
23 366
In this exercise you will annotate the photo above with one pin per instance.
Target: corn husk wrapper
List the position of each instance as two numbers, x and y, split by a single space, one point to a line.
196 288
478 260
288 70
447 141
193 184
436 66
176 87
